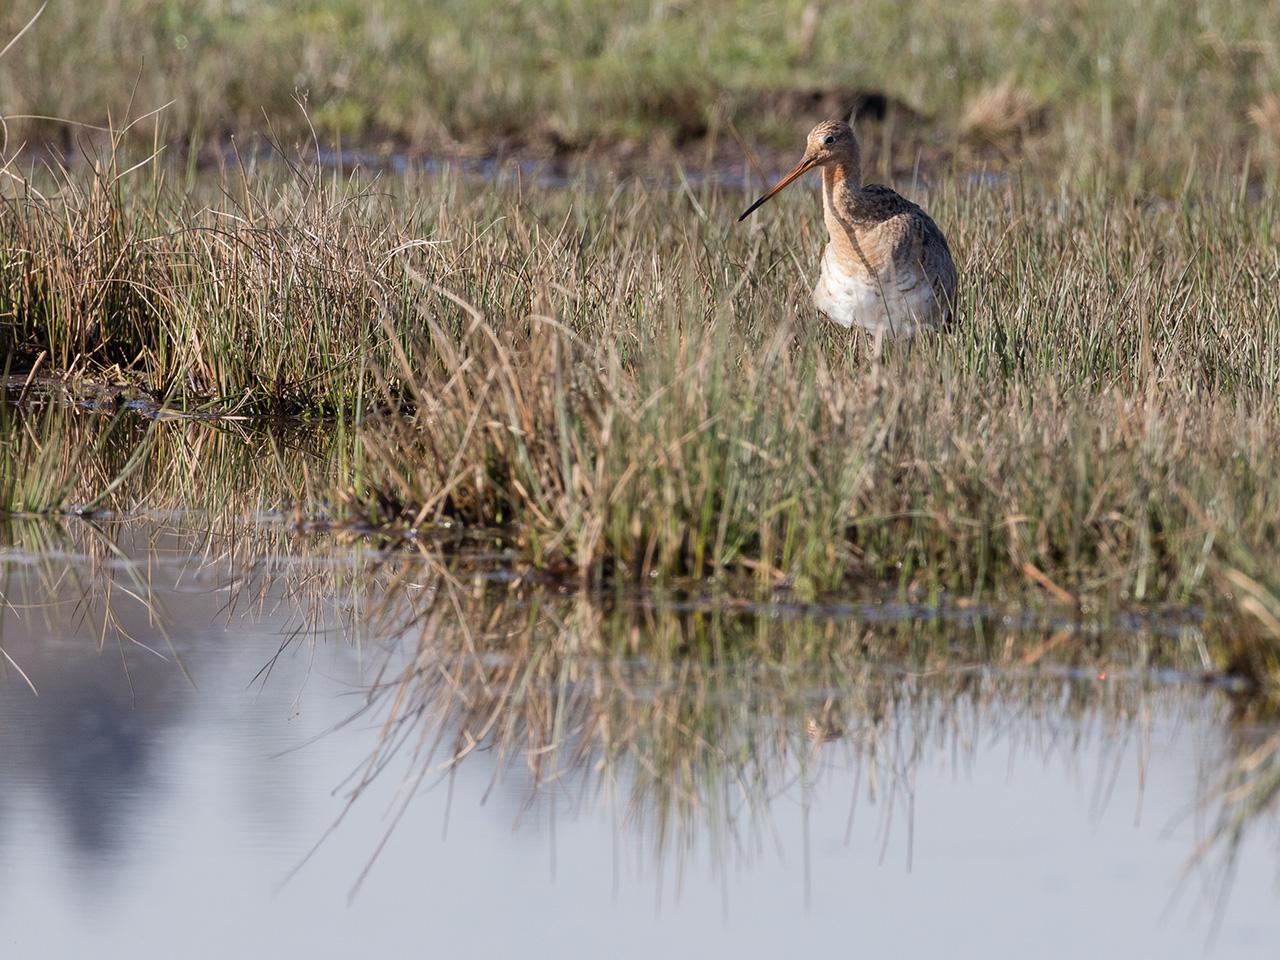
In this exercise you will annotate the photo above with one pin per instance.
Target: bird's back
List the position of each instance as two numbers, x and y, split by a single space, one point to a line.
908 237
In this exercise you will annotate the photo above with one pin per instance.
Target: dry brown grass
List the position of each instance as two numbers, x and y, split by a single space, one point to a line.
1000 113
1265 115
632 387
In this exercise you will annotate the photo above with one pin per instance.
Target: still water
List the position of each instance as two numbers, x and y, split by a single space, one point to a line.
476 778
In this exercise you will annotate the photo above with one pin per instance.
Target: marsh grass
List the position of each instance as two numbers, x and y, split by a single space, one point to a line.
259 300
631 386
1099 426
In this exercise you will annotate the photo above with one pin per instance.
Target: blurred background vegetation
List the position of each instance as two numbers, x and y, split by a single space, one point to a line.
1148 89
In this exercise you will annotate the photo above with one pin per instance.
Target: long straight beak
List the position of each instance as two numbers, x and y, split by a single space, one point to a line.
804 166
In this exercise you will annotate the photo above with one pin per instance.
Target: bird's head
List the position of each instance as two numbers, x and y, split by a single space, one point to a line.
831 141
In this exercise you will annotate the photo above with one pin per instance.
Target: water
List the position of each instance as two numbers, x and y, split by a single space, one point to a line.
182 802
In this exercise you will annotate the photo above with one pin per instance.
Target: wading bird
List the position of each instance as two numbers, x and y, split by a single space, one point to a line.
887 267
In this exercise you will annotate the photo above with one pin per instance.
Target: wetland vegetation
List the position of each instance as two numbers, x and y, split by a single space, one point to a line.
461 347
629 387
1150 92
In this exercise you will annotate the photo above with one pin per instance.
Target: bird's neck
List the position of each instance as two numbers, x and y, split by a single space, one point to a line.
842 187
842 204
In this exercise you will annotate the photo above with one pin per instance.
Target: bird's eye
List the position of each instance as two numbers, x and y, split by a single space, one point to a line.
831 138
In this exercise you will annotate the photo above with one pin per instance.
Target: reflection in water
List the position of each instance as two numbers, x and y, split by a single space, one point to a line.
713 755
694 724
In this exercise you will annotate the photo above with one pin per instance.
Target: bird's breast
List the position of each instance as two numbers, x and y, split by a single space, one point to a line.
899 302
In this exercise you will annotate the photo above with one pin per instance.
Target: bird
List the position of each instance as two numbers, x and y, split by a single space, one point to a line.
887 267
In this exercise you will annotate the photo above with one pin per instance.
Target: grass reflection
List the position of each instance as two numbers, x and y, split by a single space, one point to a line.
688 714
690 724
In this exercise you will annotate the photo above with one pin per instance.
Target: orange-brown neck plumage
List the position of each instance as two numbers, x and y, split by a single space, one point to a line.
842 180
841 206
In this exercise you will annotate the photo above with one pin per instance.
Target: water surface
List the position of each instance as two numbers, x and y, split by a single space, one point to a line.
545 783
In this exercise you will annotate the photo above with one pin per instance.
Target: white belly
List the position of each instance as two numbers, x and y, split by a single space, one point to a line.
898 306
